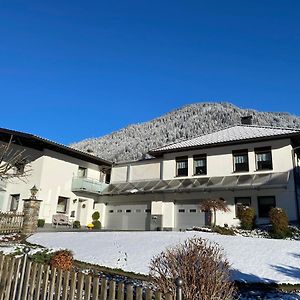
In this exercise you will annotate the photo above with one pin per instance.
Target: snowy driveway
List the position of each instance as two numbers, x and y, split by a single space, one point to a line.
254 259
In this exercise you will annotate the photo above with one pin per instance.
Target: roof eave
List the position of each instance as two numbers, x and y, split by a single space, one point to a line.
221 144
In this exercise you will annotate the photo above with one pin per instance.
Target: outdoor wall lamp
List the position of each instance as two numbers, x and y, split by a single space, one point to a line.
33 192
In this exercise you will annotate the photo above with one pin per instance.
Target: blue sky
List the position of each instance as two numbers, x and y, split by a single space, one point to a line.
70 70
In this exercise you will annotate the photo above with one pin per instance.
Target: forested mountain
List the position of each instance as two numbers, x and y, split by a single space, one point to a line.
134 141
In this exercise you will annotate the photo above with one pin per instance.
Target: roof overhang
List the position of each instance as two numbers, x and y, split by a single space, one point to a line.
38 143
202 184
293 136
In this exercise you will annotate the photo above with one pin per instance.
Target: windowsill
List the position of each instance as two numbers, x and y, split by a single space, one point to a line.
263 170
237 172
199 175
178 176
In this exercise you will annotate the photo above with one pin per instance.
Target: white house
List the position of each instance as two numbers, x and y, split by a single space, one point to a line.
243 164
69 181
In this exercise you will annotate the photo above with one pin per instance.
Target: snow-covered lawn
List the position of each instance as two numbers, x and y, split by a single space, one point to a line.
253 260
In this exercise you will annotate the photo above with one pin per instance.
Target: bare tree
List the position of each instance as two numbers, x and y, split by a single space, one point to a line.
13 163
202 266
214 205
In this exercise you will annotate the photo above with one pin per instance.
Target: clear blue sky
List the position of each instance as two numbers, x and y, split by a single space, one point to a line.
76 69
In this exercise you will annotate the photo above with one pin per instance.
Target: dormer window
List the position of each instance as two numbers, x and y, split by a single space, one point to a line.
240 161
182 166
263 158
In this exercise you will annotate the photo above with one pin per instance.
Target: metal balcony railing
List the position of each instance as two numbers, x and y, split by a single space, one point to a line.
89 185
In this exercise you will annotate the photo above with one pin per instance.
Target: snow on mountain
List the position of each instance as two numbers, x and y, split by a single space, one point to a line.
190 121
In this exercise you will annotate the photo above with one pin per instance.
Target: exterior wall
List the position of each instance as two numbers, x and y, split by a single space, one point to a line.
165 204
52 173
220 161
119 174
137 171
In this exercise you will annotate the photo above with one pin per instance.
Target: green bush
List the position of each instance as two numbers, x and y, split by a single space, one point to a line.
76 224
223 230
41 257
41 222
247 218
97 224
96 216
280 222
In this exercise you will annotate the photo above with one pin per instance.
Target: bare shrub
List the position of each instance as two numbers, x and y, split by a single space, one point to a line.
202 266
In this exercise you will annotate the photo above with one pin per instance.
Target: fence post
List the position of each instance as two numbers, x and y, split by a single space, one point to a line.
26 250
179 284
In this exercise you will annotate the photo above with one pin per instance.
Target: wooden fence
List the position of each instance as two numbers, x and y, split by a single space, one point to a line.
11 222
22 279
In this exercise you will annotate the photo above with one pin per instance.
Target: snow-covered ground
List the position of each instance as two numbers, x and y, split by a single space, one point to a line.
253 260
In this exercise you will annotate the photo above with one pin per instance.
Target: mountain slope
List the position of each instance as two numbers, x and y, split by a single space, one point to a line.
134 141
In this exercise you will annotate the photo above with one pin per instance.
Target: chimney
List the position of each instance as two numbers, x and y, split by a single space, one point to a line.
247 120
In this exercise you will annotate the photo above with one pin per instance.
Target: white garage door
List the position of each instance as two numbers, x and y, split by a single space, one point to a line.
128 217
188 215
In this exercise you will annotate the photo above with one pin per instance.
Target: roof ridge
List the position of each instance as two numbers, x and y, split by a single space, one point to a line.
268 126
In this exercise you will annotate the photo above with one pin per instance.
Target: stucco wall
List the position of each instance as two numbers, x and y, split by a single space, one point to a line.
52 173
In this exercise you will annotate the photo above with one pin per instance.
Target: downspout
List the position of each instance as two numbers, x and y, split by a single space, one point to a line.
295 182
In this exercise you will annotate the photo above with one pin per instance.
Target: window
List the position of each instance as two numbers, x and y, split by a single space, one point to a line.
181 210
148 210
264 205
111 211
119 210
14 202
72 214
62 205
200 165
138 210
193 210
240 161
82 172
107 178
241 202
263 159
128 210
182 166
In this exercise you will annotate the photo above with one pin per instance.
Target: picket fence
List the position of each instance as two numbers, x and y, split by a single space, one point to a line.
22 279
11 222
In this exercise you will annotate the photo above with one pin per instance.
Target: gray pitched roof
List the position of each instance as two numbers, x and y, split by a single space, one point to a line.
229 135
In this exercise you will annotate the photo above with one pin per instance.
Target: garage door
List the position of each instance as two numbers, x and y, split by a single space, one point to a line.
128 217
188 216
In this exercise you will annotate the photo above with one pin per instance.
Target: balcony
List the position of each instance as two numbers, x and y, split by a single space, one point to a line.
88 185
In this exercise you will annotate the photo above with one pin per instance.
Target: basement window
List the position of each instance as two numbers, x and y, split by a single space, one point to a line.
111 211
181 210
193 210
119 210
128 210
